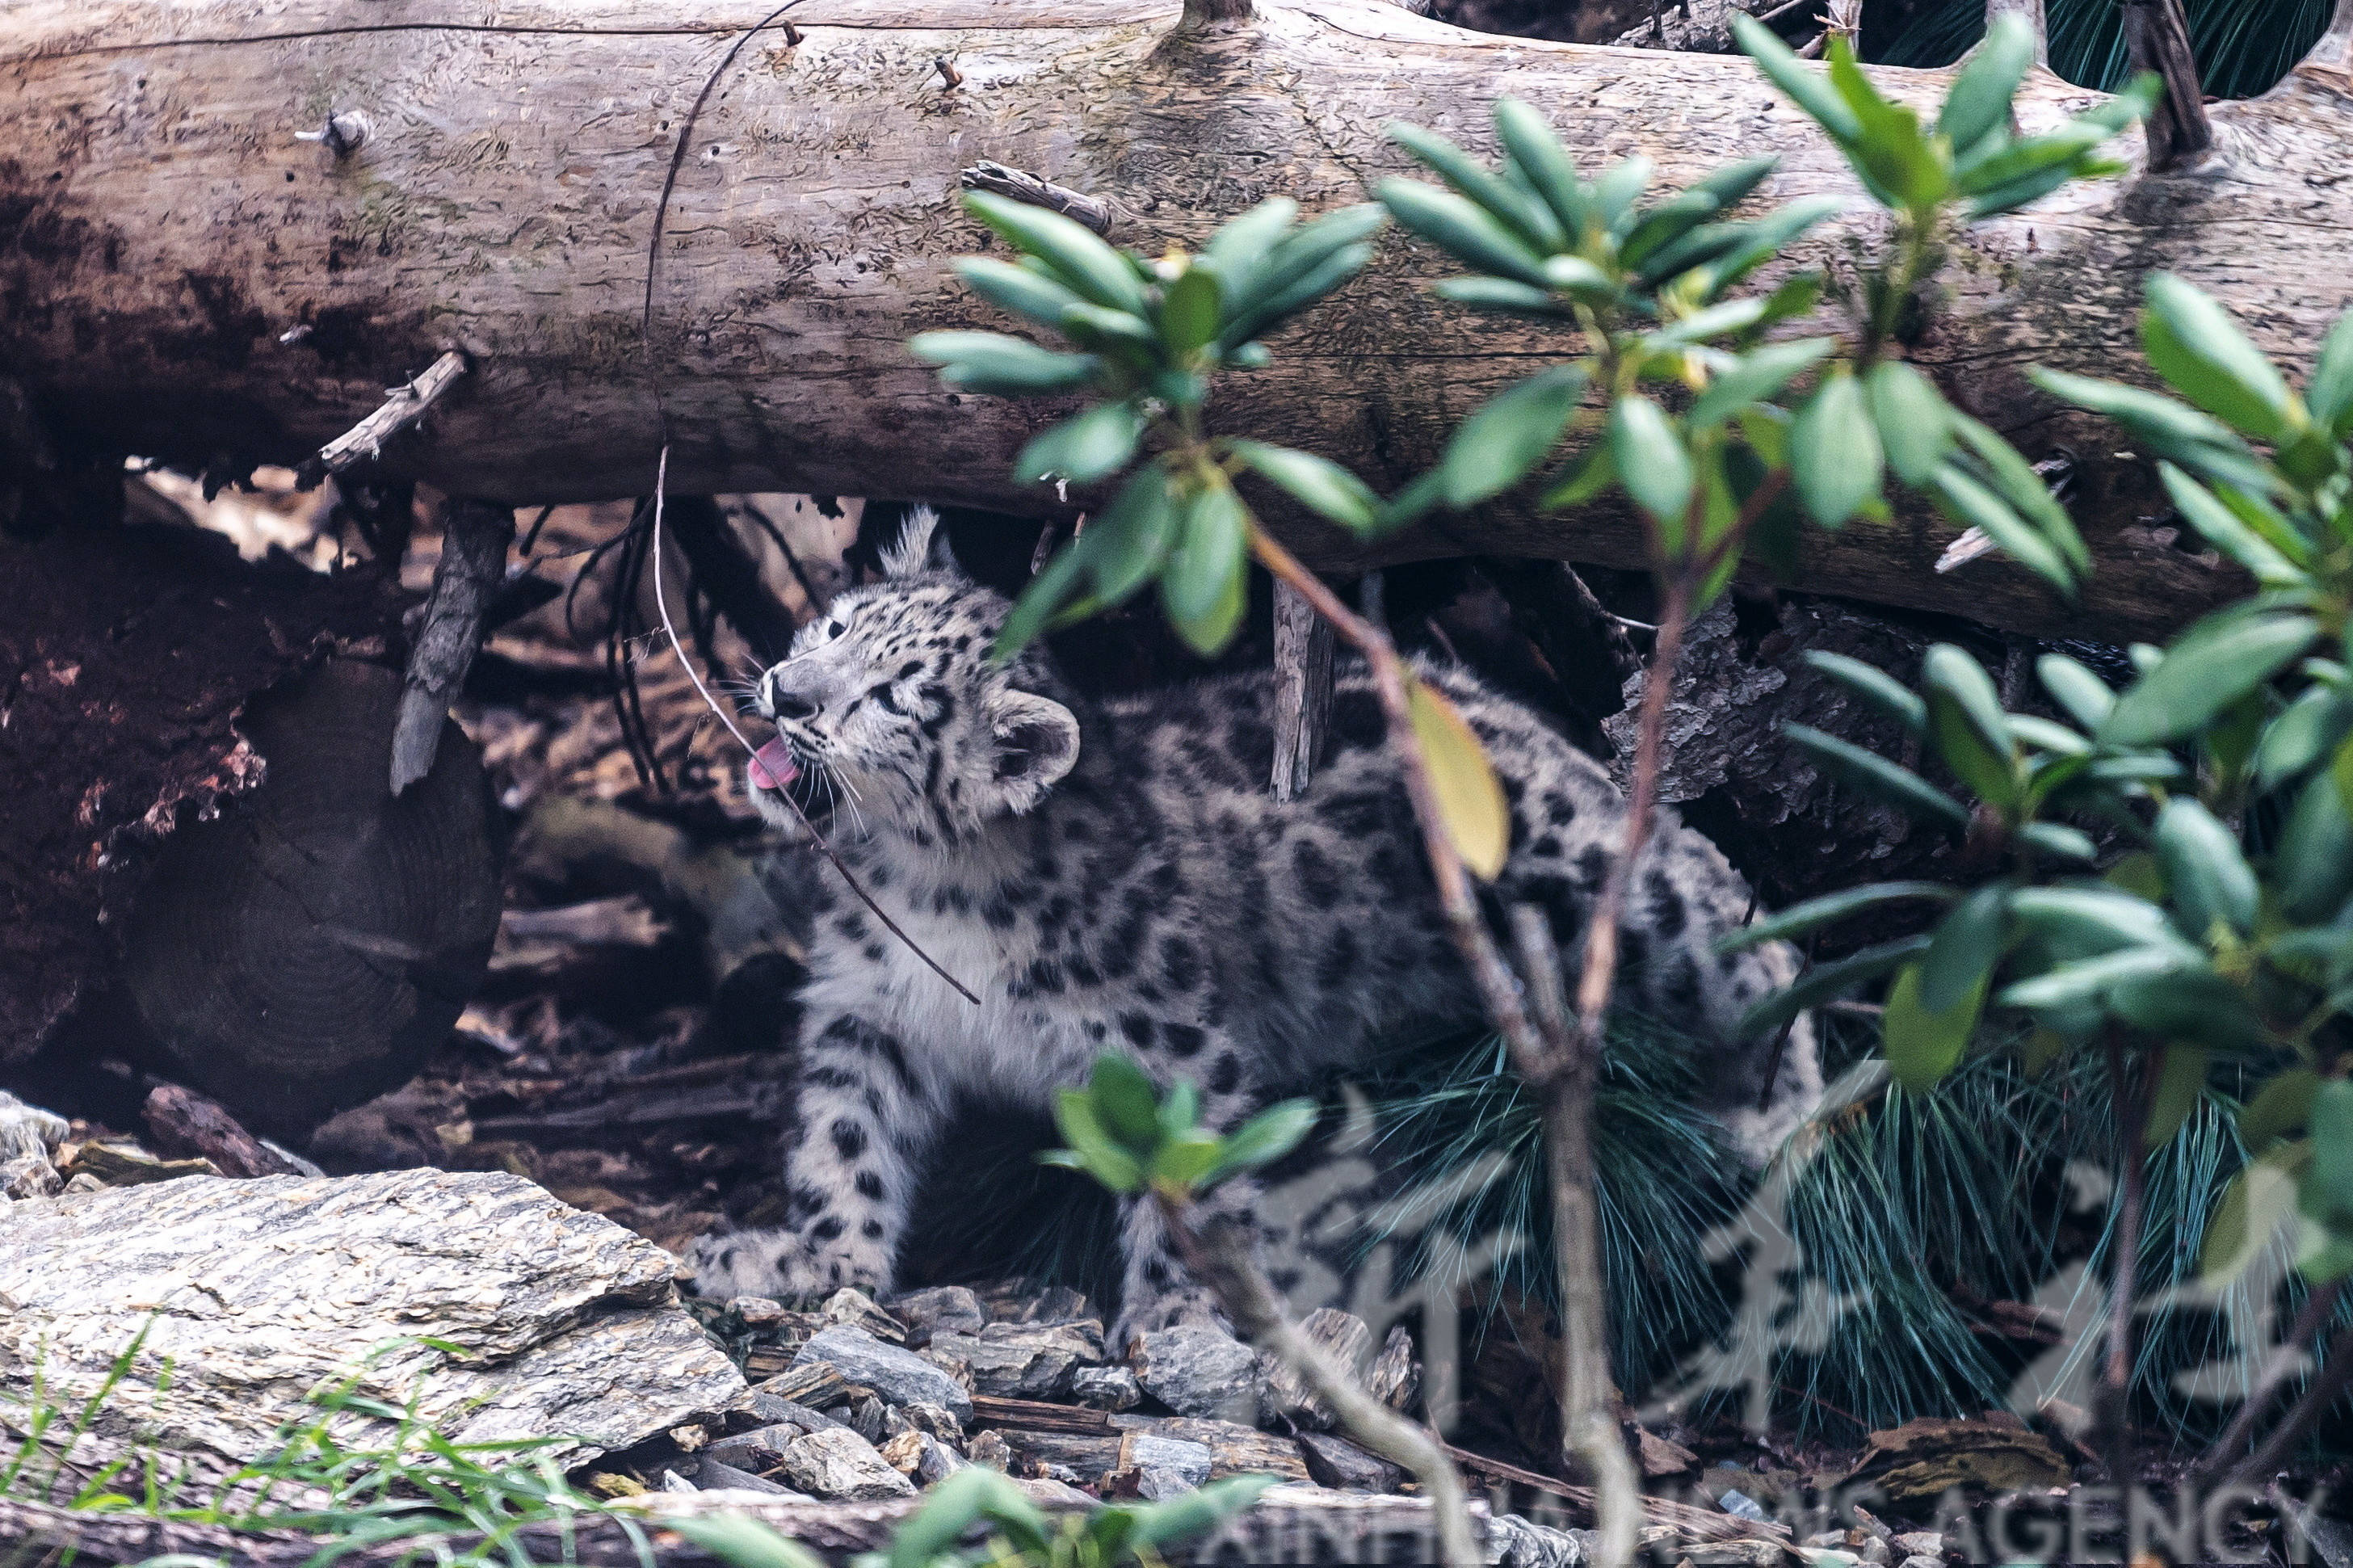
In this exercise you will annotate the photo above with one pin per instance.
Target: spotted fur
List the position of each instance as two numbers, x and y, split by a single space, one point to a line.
1118 876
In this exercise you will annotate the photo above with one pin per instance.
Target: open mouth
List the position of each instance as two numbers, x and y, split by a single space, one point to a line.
773 767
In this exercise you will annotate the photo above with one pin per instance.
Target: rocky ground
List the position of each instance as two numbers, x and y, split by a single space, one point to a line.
209 1310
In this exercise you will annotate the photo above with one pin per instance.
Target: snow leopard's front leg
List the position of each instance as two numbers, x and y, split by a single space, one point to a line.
1155 1291
862 1117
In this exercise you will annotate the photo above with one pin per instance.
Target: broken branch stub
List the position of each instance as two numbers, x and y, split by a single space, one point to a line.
474 539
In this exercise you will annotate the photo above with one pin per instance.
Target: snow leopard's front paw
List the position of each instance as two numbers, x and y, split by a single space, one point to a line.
1176 1306
778 1264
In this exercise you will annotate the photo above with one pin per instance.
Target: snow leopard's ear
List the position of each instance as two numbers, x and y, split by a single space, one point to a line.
1035 740
922 546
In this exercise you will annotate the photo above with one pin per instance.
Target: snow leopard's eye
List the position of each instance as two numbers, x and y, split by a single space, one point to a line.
819 633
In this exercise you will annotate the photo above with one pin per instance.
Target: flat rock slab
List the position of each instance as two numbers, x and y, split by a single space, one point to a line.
256 1294
900 1377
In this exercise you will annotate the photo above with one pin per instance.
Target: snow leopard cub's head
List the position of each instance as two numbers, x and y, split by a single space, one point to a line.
889 709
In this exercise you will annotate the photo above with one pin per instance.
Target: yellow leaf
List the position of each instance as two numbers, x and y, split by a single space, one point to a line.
2257 1201
1470 801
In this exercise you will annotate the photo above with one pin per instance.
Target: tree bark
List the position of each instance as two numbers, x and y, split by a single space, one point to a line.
161 228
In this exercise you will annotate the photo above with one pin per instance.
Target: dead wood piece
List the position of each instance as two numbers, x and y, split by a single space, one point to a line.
1303 690
693 1104
1686 1523
1020 185
403 406
474 539
114 1167
1090 1455
1234 1449
1037 1415
183 1122
2158 35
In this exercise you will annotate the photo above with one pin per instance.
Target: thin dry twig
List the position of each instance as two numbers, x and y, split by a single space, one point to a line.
2287 1358
1218 1255
661 603
402 406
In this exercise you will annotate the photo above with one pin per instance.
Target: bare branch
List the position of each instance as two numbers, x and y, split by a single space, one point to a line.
2113 1399
1218 1255
1557 1073
678 648
2287 1358
402 406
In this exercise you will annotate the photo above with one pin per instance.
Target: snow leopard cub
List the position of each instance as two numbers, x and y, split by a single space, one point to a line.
1118 876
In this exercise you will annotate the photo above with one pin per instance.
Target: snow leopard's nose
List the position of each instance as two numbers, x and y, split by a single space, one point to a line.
777 701
786 704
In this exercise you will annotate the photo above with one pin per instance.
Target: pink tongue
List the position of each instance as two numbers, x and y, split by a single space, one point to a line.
773 767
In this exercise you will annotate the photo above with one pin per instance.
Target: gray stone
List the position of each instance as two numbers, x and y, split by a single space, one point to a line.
1199 1370
758 1311
1920 1543
922 1457
253 1293
767 1410
1164 1466
27 1130
1023 1361
717 1476
1106 1388
936 1420
671 1481
990 1449
1047 1492
1343 1336
901 1376
1055 1303
1396 1377
839 1466
866 1418
855 1307
1516 1542
758 1450
1922 1560
29 1176
941 1309
1336 1462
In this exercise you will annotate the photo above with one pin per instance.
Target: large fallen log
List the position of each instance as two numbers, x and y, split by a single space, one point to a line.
180 275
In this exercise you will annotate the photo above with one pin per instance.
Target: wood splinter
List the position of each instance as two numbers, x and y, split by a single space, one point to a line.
1303 690
949 75
474 539
402 406
999 180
